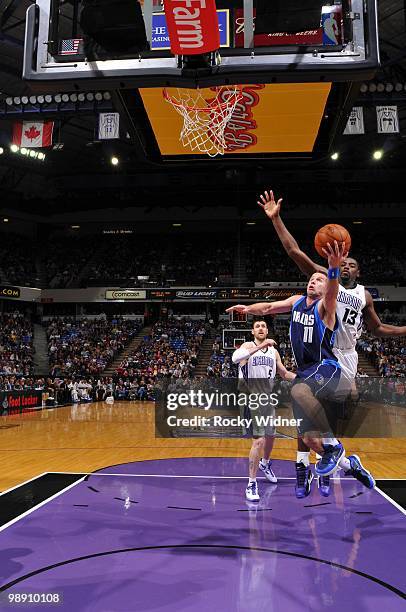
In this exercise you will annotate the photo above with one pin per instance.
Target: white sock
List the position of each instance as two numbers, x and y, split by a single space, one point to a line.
345 463
303 457
264 461
251 480
332 441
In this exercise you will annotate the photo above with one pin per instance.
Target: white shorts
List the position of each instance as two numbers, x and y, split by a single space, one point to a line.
348 360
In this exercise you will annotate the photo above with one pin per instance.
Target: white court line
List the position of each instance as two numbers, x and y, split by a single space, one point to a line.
23 483
182 476
390 500
18 518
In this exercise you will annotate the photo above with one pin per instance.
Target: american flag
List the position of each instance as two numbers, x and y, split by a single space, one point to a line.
70 46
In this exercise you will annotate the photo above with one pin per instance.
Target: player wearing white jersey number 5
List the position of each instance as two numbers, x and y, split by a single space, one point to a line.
354 307
258 363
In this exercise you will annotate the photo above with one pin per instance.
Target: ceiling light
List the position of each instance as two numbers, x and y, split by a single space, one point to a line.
378 154
13 148
48 98
335 156
114 160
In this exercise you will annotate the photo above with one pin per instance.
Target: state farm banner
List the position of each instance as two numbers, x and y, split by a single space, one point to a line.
17 402
192 26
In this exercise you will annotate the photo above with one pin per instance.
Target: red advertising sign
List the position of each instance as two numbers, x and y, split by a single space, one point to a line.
307 37
192 26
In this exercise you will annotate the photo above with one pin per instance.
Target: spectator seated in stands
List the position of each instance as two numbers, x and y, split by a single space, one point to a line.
86 347
16 347
169 351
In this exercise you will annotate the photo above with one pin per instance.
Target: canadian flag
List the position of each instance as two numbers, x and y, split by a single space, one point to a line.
33 134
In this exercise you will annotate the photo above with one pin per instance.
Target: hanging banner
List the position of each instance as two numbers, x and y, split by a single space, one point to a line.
192 26
109 126
355 123
387 119
33 134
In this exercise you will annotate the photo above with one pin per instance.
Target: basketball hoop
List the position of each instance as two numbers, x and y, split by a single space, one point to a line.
204 121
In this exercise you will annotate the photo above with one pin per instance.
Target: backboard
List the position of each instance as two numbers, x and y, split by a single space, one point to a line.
86 44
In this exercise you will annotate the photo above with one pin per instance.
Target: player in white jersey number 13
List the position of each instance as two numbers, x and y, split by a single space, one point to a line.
258 363
355 307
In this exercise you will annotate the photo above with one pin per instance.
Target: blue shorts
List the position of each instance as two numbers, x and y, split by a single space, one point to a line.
322 378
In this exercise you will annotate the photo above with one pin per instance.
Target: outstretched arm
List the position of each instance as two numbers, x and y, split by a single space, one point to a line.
266 308
242 354
375 325
272 210
328 304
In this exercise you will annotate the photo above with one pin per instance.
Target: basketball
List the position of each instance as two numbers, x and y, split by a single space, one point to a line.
329 233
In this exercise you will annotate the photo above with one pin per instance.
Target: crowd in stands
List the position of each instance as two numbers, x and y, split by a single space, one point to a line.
86 347
388 355
175 261
17 264
184 259
65 258
170 350
123 258
16 347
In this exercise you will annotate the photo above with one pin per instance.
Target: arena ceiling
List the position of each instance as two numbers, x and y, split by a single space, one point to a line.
81 174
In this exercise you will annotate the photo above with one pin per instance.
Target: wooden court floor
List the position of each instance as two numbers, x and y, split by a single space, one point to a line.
87 437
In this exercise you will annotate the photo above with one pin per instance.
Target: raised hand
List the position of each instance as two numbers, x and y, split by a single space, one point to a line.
268 204
335 255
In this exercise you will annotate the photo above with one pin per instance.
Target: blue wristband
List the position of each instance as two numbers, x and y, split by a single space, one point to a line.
333 273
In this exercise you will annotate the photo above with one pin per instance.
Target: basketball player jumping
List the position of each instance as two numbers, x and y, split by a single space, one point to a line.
354 306
312 331
258 363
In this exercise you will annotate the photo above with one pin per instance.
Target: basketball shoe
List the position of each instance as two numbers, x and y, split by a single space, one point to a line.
329 461
266 468
304 479
359 472
251 492
323 484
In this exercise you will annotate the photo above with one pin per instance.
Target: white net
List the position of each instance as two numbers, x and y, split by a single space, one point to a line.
205 119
